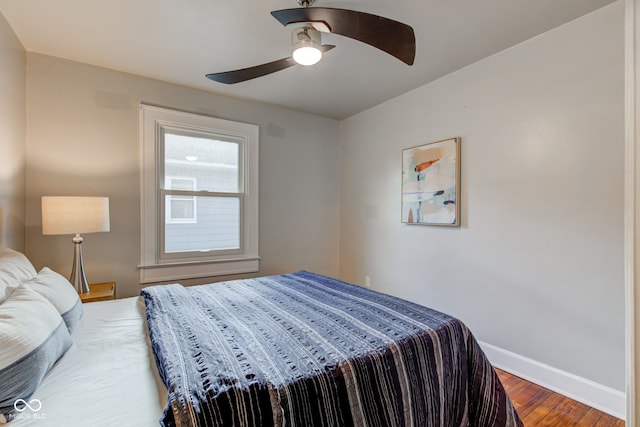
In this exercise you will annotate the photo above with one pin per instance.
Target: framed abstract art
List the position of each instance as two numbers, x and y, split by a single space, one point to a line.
431 183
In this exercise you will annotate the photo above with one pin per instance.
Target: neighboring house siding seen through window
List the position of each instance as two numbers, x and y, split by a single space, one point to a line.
200 196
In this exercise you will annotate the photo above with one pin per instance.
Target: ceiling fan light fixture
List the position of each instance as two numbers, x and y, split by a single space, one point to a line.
306 45
307 23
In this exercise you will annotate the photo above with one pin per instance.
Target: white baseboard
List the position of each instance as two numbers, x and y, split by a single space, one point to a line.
603 398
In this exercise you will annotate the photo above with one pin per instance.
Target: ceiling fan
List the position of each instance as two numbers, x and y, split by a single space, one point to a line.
307 23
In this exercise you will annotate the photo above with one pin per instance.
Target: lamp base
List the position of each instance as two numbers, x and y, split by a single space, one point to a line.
77 278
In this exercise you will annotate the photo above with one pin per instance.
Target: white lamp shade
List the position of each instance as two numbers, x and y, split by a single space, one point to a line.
74 215
307 55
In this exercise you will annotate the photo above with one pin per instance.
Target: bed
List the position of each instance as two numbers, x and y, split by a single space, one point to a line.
297 349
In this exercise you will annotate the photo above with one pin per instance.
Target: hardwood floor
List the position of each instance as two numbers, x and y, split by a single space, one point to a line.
538 406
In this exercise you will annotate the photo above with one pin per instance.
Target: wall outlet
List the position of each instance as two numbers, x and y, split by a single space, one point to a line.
367 281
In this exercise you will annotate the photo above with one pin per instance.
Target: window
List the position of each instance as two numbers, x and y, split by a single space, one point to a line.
199 196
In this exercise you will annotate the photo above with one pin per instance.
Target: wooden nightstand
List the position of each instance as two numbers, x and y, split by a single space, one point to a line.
99 292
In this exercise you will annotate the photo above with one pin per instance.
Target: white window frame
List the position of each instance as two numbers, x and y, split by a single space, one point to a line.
153 267
168 208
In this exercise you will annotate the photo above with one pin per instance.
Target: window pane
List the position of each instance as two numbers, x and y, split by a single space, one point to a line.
216 227
211 163
182 208
182 184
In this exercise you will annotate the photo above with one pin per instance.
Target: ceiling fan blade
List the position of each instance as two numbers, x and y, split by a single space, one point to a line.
393 37
244 74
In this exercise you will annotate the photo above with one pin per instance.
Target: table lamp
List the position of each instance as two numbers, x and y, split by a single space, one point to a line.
75 215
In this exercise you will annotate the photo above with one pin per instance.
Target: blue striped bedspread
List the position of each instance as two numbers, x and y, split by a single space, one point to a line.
307 350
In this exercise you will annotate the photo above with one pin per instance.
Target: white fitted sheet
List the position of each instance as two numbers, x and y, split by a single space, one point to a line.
107 378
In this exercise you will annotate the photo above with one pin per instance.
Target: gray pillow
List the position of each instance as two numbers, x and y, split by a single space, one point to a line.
60 293
15 268
33 337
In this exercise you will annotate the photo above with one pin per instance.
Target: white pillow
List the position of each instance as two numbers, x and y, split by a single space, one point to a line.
60 293
33 337
15 268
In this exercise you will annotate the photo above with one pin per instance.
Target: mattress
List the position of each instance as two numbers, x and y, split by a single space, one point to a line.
107 378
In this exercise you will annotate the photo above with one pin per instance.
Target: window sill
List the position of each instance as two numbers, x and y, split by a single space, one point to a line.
165 272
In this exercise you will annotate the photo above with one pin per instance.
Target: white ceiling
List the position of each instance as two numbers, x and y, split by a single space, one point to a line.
182 40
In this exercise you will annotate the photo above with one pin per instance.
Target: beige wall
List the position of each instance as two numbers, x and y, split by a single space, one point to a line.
83 139
12 138
537 266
